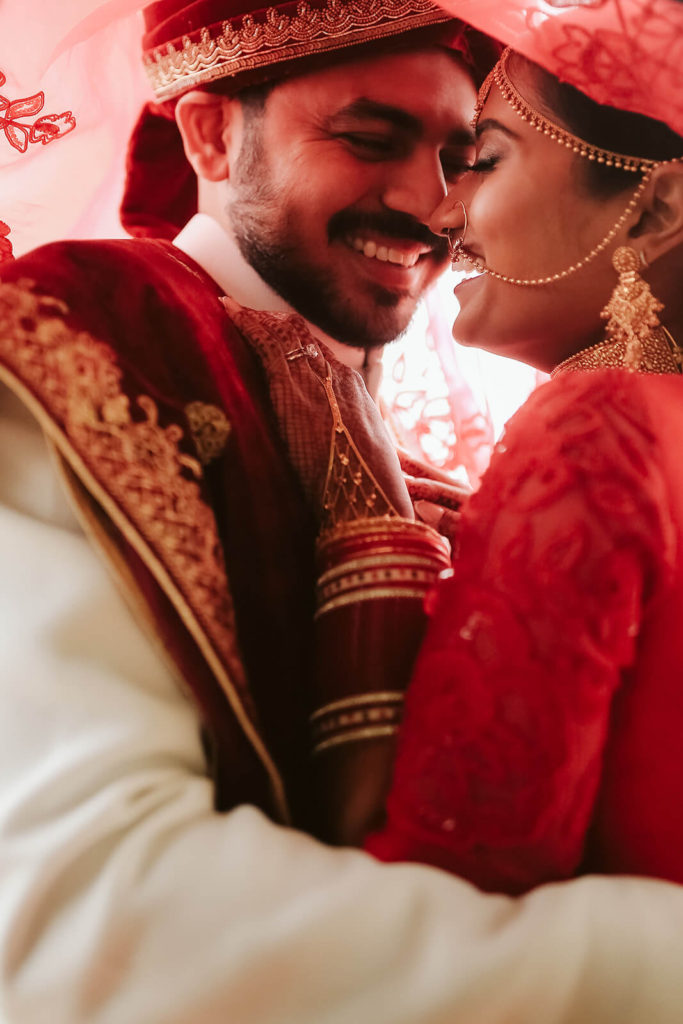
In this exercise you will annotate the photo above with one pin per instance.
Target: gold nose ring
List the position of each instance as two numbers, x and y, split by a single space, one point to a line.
455 245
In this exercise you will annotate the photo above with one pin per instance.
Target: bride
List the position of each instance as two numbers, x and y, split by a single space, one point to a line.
543 724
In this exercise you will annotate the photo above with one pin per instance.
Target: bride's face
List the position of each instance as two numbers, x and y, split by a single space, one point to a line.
531 214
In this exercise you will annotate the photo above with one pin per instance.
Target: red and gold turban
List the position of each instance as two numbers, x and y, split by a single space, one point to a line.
193 44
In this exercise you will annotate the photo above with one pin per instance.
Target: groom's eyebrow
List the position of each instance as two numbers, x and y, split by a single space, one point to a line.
364 109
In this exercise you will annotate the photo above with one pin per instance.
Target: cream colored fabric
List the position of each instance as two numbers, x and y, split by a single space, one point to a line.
124 899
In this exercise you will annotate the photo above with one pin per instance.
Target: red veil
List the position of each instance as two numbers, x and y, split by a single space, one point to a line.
625 53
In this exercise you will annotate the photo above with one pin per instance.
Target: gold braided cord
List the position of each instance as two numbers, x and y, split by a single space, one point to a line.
479 264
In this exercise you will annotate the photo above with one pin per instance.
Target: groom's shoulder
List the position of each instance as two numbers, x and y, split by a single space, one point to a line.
71 269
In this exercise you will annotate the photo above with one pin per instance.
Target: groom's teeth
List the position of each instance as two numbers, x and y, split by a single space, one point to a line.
371 250
404 258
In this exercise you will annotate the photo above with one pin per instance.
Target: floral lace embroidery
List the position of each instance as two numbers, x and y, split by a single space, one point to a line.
6 252
506 717
617 66
44 130
576 3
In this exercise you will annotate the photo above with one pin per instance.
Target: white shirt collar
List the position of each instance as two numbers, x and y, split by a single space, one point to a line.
217 252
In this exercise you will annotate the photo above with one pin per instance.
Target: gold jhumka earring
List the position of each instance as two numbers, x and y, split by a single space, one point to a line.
633 321
635 338
631 312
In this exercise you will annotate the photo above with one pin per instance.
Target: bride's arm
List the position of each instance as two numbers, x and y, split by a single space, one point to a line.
508 712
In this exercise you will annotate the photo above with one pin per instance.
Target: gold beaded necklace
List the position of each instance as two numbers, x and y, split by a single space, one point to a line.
662 354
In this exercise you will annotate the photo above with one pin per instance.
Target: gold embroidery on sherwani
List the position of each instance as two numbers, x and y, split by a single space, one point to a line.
336 478
254 44
351 490
134 469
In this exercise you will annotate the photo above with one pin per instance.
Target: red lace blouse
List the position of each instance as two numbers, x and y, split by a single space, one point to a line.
543 732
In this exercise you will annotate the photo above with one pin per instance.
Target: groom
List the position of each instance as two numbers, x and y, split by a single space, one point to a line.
290 163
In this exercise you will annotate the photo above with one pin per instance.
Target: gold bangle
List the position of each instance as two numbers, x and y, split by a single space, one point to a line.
360 716
373 594
380 561
376 732
358 700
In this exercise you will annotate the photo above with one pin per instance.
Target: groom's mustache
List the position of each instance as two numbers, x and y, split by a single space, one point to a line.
390 223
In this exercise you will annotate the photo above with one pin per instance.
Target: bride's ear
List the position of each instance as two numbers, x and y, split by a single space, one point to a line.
660 227
209 125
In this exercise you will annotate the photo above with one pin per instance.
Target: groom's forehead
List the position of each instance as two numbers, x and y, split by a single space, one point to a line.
403 91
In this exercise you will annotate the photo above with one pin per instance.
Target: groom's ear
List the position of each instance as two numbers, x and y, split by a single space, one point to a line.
211 129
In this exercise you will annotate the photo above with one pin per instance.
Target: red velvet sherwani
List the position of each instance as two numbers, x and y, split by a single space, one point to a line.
161 417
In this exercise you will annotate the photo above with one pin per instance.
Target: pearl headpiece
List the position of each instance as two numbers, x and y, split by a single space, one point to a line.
499 76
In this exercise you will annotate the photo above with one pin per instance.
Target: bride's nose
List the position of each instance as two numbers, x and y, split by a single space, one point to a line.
449 214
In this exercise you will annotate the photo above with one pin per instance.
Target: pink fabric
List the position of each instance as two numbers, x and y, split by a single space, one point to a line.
83 55
626 53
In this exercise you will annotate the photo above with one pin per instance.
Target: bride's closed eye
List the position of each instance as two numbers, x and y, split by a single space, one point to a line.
484 164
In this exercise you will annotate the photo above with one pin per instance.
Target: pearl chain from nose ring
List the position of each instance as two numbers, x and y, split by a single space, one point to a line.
457 251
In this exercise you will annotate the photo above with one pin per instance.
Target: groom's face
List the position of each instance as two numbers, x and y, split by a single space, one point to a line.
336 180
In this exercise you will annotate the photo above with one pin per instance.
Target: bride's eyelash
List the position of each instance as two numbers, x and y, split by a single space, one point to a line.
483 165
